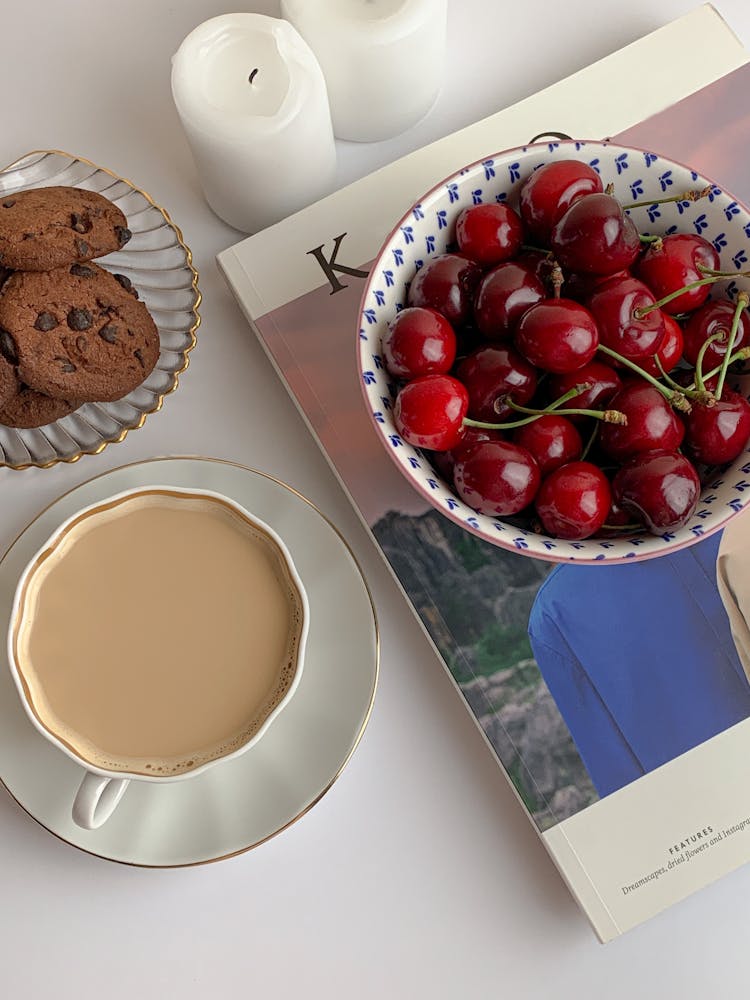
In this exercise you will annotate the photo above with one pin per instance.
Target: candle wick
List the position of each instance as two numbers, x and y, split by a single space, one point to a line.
252 75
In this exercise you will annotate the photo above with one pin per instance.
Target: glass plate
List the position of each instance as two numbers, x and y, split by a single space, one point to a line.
160 266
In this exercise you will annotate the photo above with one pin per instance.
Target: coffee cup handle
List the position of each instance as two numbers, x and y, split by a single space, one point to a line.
97 799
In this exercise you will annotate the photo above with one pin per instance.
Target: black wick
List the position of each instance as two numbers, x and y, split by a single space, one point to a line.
252 75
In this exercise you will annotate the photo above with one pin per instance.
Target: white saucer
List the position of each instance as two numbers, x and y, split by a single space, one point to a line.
241 803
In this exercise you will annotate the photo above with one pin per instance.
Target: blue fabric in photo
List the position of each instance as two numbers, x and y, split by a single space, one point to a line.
639 659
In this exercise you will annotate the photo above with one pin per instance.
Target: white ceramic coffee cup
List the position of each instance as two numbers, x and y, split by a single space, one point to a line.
101 790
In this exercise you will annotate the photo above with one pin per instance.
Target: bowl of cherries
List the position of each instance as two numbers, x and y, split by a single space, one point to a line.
551 347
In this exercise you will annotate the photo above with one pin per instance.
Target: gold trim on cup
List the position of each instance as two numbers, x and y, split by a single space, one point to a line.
192 332
368 713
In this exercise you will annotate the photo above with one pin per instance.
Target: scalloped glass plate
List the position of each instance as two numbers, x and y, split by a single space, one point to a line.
160 266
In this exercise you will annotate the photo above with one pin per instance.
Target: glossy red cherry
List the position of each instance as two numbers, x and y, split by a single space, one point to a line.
673 263
539 262
573 501
491 373
496 477
419 342
615 304
670 350
552 440
489 233
446 283
651 422
604 382
503 296
595 236
429 412
550 191
445 461
660 487
713 317
558 335
581 286
719 433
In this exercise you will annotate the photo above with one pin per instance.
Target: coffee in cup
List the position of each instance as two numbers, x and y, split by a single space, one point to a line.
157 633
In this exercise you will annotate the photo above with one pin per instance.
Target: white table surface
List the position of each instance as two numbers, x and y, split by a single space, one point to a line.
417 875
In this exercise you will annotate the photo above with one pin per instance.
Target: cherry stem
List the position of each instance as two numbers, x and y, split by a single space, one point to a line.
742 302
645 310
685 196
711 277
676 397
699 395
535 414
700 379
557 279
590 442
608 416
742 355
713 273
656 241
622 527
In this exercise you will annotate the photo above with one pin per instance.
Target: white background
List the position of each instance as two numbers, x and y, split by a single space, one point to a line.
418 874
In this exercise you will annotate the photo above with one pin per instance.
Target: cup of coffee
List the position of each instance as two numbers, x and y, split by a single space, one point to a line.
154 635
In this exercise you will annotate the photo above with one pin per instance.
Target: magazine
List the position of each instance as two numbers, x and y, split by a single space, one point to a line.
610 747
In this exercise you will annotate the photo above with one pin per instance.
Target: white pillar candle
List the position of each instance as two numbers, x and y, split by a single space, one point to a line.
383 60
252 100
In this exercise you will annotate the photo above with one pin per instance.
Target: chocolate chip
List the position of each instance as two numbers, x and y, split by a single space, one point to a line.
81 343
80 222
65 366
8 347
45 321
123 235
125 281
109 333
79 319
9 203
28 236
81 271
83 249
137 353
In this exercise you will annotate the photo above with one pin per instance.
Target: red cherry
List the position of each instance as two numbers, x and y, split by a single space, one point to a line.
552 440
489 233
614 305
550 191
429 412
573 501
581 286
558 335
444 461
604 382
670 350
503 297
446 283
661 487
670 266
496 477
419 342
652 423
491 373
595 236
713 317
719 433
540 262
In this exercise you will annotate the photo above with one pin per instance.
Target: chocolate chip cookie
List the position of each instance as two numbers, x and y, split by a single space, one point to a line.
43 228
29 408
77 333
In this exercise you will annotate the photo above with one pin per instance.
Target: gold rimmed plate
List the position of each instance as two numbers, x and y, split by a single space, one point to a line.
160 265
240 803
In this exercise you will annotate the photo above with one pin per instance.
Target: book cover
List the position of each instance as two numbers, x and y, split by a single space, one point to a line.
611 737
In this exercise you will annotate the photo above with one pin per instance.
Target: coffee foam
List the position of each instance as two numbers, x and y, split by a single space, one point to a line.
85 550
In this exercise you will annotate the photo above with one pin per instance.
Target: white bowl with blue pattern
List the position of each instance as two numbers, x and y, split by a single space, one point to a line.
427 229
